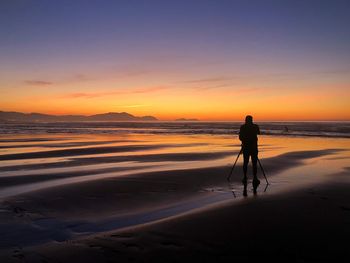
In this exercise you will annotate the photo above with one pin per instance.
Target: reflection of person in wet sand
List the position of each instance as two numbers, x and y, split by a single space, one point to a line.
248 136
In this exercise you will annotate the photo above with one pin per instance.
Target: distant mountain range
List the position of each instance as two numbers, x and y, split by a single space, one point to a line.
7 116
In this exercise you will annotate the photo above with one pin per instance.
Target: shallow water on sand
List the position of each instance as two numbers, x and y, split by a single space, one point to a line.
59 186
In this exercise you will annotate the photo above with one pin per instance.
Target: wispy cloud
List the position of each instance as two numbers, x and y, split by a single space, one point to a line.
206 80
204 88
90 95
79 95
38 82
265 77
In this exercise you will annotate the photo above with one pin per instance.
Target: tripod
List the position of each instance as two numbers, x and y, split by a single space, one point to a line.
262 169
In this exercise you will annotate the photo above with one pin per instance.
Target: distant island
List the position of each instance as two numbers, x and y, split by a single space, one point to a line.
7 116
183 119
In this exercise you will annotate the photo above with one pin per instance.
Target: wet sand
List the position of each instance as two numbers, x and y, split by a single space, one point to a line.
307 225
149 200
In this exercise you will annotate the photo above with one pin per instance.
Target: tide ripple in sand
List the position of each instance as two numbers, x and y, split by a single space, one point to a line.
90 184
73 157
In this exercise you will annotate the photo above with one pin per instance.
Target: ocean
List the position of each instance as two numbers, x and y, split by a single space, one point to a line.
324 129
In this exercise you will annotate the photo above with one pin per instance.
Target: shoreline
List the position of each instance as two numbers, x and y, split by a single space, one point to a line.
322 129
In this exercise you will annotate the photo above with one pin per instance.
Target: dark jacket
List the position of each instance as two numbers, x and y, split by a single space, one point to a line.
248 134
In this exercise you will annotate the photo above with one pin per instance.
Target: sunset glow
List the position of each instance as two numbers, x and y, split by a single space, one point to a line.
203 59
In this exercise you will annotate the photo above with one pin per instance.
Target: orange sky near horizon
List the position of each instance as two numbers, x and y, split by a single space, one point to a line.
209 100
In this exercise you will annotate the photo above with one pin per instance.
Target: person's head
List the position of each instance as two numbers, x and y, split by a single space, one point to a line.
249 119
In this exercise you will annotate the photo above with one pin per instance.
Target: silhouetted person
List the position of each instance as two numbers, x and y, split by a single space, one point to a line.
248 134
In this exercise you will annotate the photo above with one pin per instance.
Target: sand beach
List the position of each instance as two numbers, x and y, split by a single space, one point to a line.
165 197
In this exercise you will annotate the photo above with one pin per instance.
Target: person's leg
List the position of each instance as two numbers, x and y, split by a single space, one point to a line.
245 164
245 168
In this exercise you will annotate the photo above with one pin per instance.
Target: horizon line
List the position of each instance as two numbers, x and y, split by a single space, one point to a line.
186 119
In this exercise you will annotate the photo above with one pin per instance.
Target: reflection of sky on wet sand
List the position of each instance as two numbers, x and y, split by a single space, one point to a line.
270 146
135 187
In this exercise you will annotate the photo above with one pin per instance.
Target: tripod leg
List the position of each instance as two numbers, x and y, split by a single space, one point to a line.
229 176
262 169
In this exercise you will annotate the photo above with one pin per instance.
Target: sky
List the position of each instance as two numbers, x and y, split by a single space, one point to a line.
210 60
